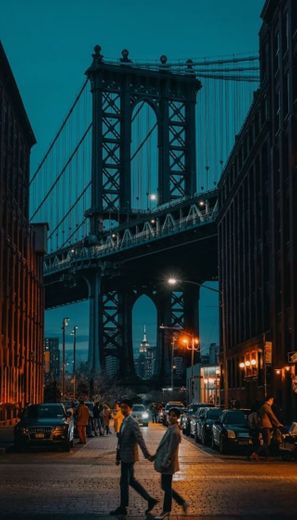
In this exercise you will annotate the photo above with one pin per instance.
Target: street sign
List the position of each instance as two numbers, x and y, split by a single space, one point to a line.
268 352
292 357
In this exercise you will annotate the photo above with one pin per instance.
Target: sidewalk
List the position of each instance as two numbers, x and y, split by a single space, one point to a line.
6 438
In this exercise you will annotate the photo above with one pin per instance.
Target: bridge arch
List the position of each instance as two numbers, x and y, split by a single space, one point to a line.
144 155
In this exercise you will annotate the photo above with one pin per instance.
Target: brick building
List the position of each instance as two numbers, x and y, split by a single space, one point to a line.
258 225
21 249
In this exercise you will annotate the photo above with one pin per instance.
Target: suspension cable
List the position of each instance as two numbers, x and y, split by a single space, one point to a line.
59 131
70 209
62 171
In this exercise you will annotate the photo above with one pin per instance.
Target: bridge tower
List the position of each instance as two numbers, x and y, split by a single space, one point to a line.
116 89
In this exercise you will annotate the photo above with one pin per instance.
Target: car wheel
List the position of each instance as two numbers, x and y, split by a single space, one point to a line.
19 446
222 447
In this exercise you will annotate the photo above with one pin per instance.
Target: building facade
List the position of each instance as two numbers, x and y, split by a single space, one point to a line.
21 250
258 226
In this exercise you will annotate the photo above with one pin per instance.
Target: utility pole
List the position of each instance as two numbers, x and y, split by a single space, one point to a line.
74 334
64 325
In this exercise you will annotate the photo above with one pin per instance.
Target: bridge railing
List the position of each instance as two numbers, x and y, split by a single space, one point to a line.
119 240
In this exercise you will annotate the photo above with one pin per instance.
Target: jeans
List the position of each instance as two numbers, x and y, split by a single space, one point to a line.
127 478
169 493
267 435
82 433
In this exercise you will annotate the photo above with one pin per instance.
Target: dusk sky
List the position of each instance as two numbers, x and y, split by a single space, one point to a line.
49 46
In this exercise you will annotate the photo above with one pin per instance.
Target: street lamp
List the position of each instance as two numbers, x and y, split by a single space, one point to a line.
193 347
175 281
165 327
64 325
74 334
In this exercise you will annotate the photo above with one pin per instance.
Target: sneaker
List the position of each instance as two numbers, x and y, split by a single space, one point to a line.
162 516
151 504
185 507
119 511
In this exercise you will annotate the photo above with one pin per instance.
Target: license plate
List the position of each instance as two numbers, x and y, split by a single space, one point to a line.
39 435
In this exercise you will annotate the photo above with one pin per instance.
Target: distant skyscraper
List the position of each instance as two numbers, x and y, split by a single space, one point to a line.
51 359
145 364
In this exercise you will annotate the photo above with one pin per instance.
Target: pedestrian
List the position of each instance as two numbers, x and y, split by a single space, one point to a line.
98 427
106 418
269 421
82 421
117 418
254 423
127 454
167 463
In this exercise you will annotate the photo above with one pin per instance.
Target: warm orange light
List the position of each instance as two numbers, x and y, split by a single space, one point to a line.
277 371
287 369
253 362
241 365
247 363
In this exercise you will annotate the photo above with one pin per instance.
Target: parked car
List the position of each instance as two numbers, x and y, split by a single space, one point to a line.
186 416
194 417
140 413
205 420
231 431
44 424
168 406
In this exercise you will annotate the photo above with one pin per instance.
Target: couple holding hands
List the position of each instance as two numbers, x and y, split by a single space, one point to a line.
165 462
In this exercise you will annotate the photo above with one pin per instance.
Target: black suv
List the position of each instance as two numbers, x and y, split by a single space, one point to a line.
44 424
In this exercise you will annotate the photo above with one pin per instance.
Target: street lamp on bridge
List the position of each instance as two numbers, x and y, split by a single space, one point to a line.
172 281
74 334
65 322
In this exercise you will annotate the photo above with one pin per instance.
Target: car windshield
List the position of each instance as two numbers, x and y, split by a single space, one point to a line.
178 405
138 408
235 418
193 408
44 411
214 413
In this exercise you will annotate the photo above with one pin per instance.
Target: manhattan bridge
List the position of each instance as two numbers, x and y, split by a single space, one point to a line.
128 187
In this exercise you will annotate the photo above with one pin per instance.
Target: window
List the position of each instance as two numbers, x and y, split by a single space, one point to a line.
277 111
285 31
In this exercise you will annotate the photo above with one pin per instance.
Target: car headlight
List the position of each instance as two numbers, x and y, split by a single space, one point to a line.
231 434
60 429
145 415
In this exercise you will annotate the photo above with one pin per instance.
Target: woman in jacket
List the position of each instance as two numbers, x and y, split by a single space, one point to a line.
166 463
106 418
117 418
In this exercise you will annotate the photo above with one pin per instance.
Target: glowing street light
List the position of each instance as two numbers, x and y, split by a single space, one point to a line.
173 281
64 325
74 334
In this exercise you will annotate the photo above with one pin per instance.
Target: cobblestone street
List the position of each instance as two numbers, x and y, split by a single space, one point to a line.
85 483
